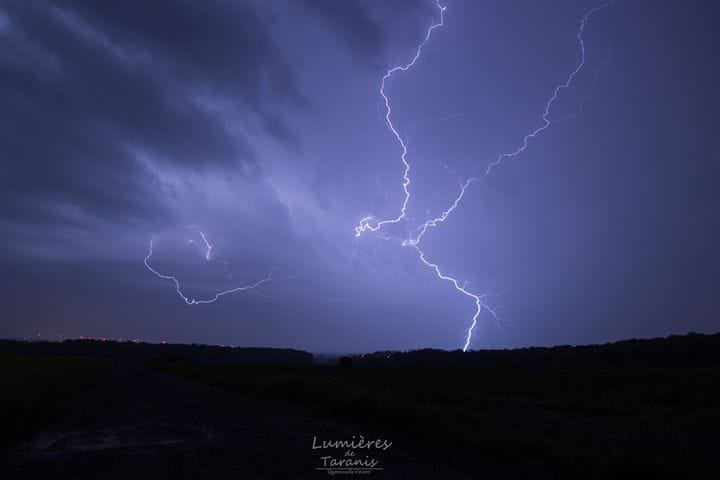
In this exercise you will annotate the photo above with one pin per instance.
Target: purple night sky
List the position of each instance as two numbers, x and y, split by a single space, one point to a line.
261 125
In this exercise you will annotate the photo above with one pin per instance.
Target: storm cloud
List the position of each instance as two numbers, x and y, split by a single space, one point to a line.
261 122
94 95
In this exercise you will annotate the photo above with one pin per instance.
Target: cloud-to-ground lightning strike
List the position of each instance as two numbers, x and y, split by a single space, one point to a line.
192 301
416 235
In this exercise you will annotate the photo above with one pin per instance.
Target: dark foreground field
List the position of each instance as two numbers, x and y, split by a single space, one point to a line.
570 421
132 418
141 423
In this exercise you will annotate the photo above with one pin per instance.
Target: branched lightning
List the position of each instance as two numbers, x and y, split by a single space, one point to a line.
364 223
251 288
546 121
413 240
590 92
421 121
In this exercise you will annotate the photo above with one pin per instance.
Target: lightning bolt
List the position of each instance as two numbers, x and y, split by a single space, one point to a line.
590 92
364 224
546 121
251 288
207 244
369 224
208 247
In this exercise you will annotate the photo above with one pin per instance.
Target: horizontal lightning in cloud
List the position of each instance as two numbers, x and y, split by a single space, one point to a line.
250 288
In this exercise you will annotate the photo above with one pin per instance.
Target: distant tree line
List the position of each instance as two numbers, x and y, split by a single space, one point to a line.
693 348
161 351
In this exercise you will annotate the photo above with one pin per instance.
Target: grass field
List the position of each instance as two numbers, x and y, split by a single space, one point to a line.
661 421
37 388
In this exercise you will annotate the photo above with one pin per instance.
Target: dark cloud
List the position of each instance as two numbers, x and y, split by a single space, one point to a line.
353 20
92 90
367 27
